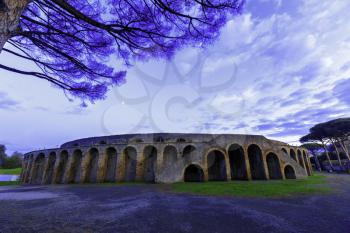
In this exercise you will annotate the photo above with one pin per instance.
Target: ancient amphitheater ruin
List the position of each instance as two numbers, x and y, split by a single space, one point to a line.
166 158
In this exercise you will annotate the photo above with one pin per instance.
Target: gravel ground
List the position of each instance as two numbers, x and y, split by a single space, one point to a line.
147 208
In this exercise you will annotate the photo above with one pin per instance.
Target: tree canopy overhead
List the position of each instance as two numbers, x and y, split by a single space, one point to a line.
72 40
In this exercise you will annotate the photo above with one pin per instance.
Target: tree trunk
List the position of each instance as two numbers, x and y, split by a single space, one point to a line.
344 147
10 13
327 155
337 152
317 162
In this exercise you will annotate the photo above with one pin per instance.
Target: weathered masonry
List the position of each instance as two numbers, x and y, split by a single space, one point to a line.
166 158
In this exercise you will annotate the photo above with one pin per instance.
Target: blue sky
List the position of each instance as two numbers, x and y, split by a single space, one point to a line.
276 70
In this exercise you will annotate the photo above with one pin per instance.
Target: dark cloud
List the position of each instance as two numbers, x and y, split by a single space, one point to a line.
6 102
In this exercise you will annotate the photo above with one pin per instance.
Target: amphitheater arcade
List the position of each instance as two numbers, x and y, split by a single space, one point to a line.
166 158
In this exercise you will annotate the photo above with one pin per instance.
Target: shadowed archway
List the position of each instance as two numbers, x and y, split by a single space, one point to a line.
293 155
306 164
111 167
193 173
284 151
256 163
130 162
150 163
300 158
30 166
50 167
273 166
39 165
62 166
75 169
237 162
216 166
289 172
92 166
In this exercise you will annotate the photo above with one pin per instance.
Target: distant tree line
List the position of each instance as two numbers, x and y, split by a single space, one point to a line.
13 161
329 141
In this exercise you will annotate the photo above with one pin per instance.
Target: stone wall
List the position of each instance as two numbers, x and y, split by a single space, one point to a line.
166 158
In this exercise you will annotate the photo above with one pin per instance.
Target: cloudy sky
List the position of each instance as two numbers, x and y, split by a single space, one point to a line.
276 70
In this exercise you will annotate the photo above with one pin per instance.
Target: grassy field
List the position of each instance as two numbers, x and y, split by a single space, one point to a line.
316 184
5 183
14 171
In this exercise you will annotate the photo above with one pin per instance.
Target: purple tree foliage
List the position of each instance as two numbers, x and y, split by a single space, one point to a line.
72 41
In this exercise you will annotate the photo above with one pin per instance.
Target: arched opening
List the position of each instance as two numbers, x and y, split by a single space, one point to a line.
292 155
216 166
50 167
188 153
237 162
273 165
39 165
112 158
62 166
300 158
306 164
75 169
193 173
284 151
256 162
150 163
92 166
289 172
30 165
130 163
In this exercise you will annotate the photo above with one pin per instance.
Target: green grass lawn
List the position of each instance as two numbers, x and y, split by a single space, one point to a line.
14 171
5 183
316 184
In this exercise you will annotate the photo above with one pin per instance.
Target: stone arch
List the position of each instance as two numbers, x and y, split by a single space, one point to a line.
273 165
188 153
38 171
256 162
289 172
169 156
50 167
75 168
130 162
92 165
150 163
293 155
237 162
30 165
62 166
111 167
300 158
216 164
306 164
193 173
284 151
